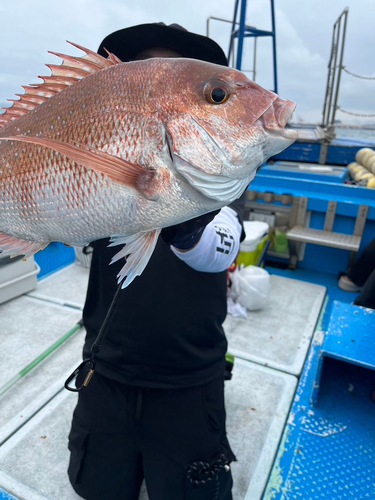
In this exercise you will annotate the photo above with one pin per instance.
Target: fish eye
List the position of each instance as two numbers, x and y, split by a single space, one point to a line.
216 92
218 95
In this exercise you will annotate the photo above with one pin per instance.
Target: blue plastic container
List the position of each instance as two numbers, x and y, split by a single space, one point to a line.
54 257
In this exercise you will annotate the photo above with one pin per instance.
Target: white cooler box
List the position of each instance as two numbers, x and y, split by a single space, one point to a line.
17 276
257 234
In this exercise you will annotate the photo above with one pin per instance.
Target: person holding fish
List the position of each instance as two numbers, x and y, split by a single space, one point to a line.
155 406
149 144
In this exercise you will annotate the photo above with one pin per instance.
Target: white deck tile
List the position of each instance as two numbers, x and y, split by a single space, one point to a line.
67 286
20 402
278 335
28 327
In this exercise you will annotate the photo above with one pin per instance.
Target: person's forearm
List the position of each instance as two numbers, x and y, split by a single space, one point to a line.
218 246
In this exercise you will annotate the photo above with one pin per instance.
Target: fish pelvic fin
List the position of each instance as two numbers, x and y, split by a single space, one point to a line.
11 247
117 169
62 76
137 252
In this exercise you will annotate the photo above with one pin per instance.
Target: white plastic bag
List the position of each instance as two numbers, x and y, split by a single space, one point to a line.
250 287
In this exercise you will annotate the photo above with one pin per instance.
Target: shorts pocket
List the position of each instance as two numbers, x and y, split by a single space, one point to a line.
77 445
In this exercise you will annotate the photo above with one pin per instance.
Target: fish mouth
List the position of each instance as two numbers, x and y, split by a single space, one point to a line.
276 118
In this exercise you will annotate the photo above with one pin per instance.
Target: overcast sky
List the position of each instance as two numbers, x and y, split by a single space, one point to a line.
303 29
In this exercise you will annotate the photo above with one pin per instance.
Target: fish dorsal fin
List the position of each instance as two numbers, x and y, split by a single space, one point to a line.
69 72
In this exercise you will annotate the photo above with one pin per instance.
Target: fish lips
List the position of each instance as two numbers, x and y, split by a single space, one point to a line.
276 118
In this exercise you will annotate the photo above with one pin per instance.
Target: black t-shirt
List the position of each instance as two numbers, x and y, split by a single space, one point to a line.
166 330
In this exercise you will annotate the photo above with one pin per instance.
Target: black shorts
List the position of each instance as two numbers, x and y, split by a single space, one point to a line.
174 439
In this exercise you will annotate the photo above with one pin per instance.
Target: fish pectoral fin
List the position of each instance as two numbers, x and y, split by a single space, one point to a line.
117 169
11 247
137 252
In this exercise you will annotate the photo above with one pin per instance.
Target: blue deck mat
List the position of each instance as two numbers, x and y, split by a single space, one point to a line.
6 496
328 450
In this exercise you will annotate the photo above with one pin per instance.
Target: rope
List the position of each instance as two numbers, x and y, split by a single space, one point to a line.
354 114
358 76
202 472
349 112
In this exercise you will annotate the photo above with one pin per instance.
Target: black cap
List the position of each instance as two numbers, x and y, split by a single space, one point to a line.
129 42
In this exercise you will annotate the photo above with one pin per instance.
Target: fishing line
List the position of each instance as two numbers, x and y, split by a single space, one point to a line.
95 348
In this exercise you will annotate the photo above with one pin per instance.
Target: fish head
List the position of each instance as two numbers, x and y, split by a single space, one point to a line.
225 127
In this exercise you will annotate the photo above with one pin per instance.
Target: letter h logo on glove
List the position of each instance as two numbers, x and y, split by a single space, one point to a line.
226 240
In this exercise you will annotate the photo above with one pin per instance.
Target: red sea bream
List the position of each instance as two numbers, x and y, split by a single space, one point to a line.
109 149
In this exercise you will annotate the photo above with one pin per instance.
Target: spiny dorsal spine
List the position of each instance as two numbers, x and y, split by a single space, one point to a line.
62 76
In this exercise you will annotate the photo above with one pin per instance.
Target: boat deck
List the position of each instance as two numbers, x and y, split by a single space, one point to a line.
35 415
328 444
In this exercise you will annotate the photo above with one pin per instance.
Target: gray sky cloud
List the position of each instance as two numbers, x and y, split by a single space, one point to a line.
304 34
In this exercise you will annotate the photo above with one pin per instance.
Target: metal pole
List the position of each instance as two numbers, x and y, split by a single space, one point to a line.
233 30
255 58
214 19
336 27
345 14
274 46
241 34
329 83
